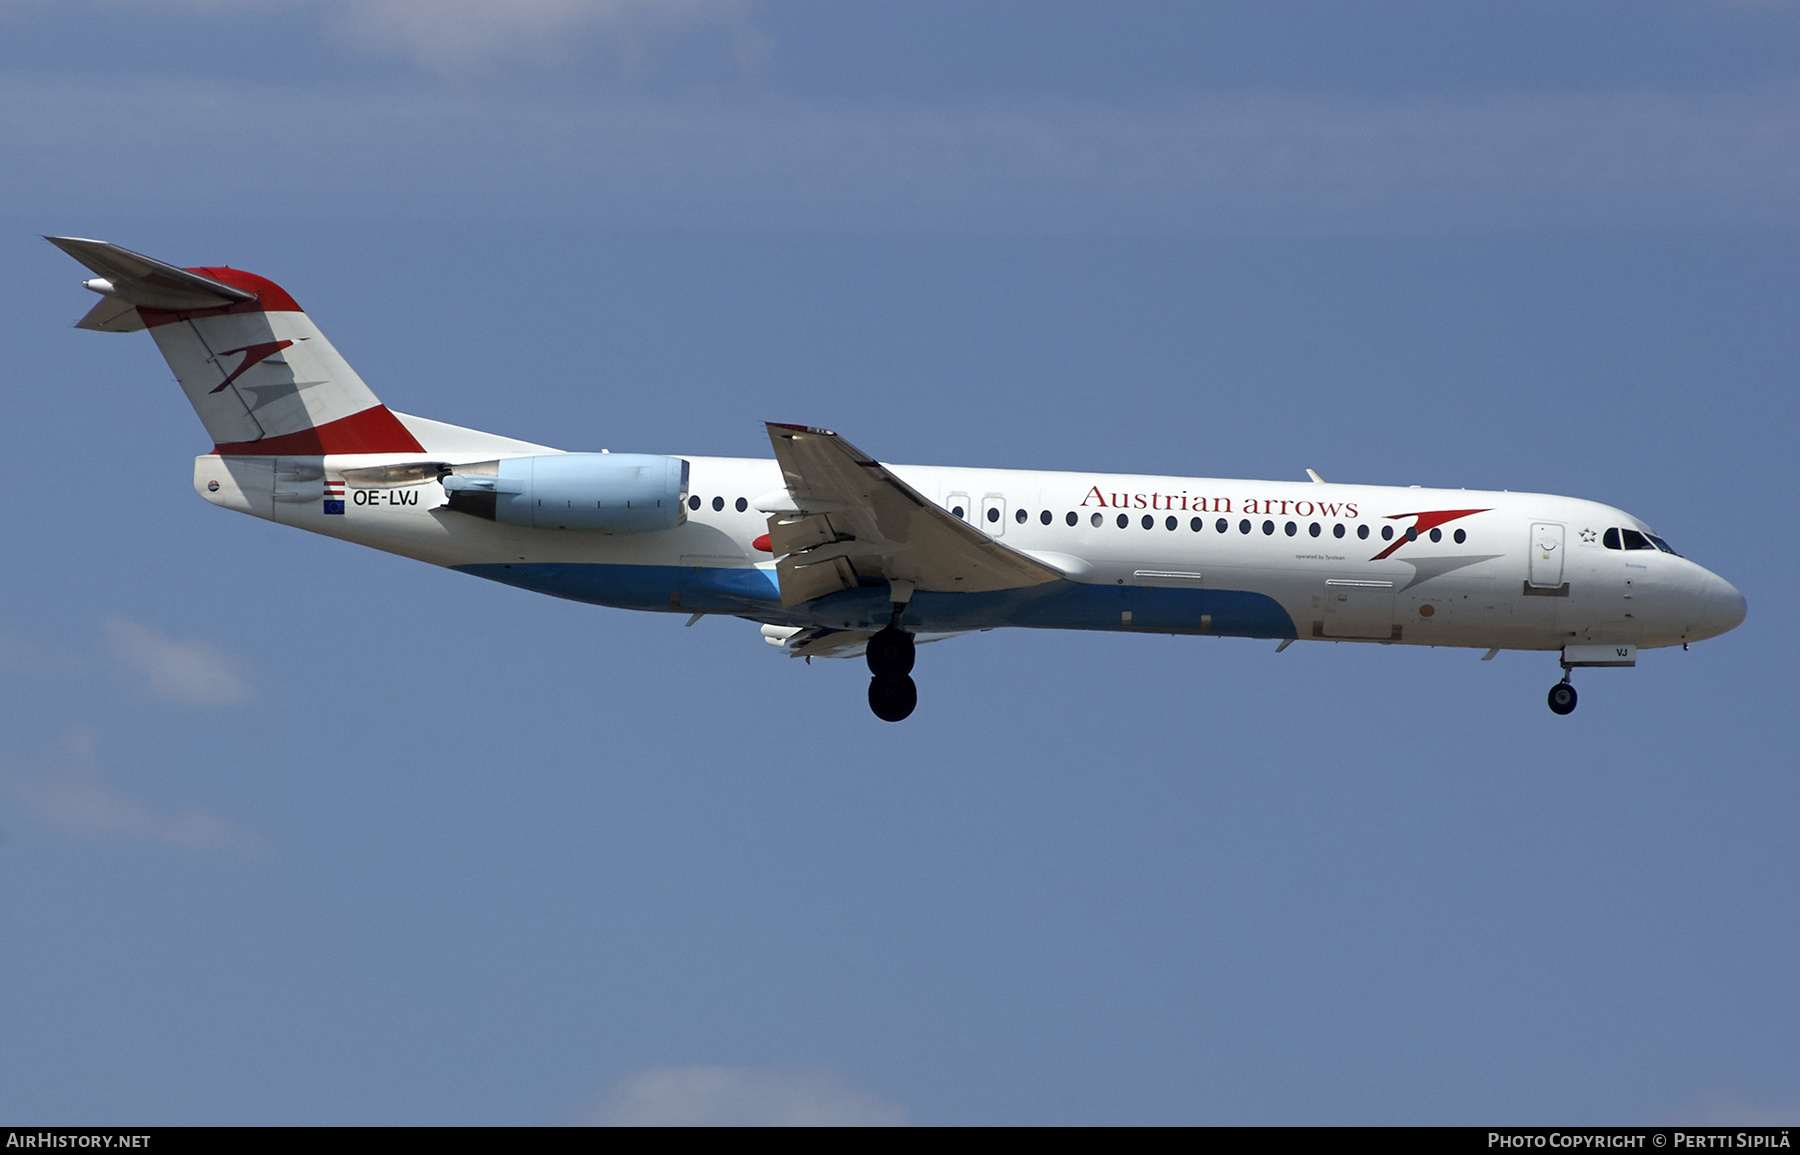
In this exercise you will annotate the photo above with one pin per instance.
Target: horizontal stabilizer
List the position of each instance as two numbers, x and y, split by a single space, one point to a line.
128 280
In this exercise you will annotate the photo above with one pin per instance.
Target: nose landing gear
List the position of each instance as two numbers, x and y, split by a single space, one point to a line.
1562 696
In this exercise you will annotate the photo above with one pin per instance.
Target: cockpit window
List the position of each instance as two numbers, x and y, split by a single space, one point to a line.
1632 539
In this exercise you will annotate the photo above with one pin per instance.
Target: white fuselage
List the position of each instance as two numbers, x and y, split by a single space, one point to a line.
1139 553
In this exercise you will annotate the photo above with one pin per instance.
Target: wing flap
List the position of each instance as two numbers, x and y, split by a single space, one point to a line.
802 581
793 534
825 642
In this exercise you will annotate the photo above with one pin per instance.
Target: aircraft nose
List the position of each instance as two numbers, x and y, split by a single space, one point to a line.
1722 606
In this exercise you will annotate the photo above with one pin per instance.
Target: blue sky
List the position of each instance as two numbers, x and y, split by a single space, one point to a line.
296 832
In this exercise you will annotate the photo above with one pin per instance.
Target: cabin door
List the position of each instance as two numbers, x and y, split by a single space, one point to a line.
1546 554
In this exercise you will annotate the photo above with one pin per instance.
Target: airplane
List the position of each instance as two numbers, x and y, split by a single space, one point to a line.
836 554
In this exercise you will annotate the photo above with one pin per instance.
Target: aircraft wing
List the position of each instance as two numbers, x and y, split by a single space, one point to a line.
852 518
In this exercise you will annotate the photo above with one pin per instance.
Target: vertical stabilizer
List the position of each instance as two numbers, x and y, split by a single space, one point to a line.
259 373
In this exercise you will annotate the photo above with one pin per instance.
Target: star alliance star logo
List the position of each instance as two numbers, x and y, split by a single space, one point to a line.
1587 537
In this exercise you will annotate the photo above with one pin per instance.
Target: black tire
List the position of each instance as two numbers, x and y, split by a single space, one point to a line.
893 699
890 654
1562 698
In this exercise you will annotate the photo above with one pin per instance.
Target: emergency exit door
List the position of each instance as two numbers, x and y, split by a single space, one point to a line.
993 514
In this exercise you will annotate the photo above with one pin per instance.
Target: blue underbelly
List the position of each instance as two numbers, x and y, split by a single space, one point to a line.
753 592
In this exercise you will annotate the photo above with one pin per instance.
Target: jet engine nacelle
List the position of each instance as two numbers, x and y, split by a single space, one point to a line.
604 492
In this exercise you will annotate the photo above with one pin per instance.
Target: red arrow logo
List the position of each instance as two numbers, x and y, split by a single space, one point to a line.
253 354
1428 521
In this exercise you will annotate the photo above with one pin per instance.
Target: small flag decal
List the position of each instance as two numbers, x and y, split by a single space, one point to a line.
334 496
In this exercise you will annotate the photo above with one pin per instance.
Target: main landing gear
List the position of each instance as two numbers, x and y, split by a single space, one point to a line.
892 694
1562 696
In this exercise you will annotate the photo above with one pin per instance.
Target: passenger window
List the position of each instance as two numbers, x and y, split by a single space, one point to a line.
1387 533
1244 526
1460 537
1073 518
1412 533
1196 525
956 511
1313 529
1611 540
1337 530
1094 521
742 505
1291 528
1020 515
1149 522
1124 521
993 513
1171 523
1362 531
694 502
718 505
1222 525
1268 529
1045 517
1437 535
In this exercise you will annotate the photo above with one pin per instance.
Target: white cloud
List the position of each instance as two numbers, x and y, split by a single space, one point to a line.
458 35
743 1097
1253 164
72 798
455 35
193 673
